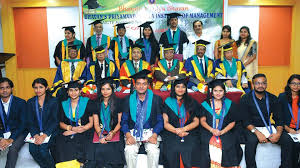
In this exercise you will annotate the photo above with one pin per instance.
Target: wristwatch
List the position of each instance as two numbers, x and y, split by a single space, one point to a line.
253 130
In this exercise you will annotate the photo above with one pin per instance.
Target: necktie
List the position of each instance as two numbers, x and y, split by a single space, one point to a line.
72 70
136 67
121 41
201 64
101 69
174 34
169 65
98 38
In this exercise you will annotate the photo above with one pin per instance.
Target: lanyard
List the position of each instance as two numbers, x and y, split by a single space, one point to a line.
222 115
103 110
76 114
39 114
298 119
181 120
260 113
6 127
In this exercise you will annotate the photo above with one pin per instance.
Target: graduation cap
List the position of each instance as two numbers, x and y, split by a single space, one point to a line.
211 84
100 49
70 28
121 25
138 46
145 25
227 47
96 22
168 46
109 80
143 74
73 84
170 16
201 43
180 80
92 4
73 46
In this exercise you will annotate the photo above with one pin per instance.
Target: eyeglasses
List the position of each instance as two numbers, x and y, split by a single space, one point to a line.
295 84
260 83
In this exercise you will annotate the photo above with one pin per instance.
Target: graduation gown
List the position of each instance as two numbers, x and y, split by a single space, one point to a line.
127 69
147 46
231 150
61 50
194 70
68 148
94 70
180 38
173 148
118 56
161 72
91 44
112 152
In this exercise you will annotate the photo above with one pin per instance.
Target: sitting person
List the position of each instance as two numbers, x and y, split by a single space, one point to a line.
12 122
233 69
219 143
199 67
42 121
181 119
142 121
69 70
168 69
131 67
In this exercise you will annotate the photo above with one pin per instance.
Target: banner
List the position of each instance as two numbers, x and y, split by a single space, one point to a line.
136 12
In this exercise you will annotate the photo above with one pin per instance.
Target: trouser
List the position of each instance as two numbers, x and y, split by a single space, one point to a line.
131 153
41 154
285 143
97 164
13 152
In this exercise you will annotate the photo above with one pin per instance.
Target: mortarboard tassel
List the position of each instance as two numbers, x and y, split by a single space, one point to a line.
115 31
130 53
222 54
161 51
92 30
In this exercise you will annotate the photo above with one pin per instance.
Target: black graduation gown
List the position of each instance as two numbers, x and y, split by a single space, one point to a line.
231 150
112 152
154 50
112 48
172 145
183 39
57 52
68 148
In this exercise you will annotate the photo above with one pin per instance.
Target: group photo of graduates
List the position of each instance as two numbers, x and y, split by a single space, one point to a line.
114 98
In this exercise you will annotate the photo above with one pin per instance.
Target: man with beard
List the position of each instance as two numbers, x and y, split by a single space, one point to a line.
258 106
12 122
142 121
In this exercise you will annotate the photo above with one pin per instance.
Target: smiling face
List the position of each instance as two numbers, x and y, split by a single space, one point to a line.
218 92
73 93
244 33
141 86
5 90
295 85
121 32
106 90
69 35
136 54
200 50
173 22
72 53
39 89
147 31
98 28
228 55
197 27
180 89
260 84
169 54
100 56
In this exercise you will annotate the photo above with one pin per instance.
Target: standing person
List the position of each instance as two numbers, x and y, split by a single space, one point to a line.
142 121
149 43
247 51
199 67
219 144
97 39
76 121
119 46
42 121
174 36
181 119
13 115
225 39
290 104
109 151
61 50
258 106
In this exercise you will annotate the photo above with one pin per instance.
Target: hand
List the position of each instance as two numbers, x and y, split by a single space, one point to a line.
130 140
6 143
179 130
81 129
229 83
102 141
67 133
216 132
298 132
153 139
245 85
183 134
261 137
292 131
40 139
274 138
109 136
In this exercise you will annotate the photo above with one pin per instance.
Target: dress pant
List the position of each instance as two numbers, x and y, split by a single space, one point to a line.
285 143
13 152
131 153
41 154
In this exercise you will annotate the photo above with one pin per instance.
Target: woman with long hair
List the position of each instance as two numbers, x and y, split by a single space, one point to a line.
181 119
290 104
151 47
76 121
108 142
225 39
42 123
247 51
219 144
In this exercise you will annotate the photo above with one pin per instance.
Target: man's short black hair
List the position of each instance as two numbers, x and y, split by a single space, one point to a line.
258 76
2 80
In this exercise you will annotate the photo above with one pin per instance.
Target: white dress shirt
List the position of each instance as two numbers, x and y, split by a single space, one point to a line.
6 105
103 71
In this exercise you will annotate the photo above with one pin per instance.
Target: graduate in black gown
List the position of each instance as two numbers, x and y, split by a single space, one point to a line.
151 47
42 120
181 120
61 49
174 35
109 150
219 142
76 121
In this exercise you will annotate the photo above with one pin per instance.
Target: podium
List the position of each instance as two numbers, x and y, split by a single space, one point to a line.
3 58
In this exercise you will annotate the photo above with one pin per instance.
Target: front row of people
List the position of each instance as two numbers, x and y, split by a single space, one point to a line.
179 132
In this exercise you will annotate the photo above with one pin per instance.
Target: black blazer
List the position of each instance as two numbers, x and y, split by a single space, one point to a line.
17 118
49 117
287 117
